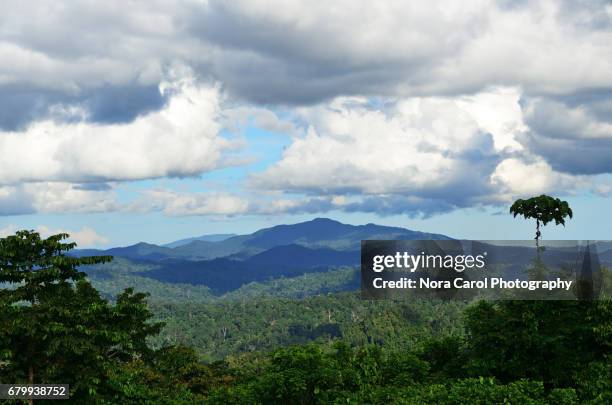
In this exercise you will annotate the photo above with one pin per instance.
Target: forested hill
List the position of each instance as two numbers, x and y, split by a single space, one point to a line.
223 274
224 263
320 233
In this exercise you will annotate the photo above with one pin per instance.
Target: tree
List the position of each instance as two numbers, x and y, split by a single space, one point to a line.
55 327
543 209
549 341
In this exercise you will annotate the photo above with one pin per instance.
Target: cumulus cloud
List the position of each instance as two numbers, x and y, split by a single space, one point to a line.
179 140
308 205
420 155
520 178
182 204
236 118
15 201
573 133
296 52
55 198
400 106
300 52
424 147
84 237
66 53
176 203
398 204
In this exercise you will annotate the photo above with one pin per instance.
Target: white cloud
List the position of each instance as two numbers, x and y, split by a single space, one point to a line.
556 119
517 178
84 237
420 155
499 113
425 154
304 52
80 45
240 117
54 198
573 133
182 204
420 145
179 140
417 104
175 203
294 51
533 46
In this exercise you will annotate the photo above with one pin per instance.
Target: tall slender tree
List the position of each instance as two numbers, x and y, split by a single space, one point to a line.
543 209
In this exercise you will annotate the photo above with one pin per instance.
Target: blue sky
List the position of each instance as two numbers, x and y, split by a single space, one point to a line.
228 117
465 223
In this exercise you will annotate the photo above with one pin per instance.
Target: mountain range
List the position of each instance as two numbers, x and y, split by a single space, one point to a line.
320 233
226 262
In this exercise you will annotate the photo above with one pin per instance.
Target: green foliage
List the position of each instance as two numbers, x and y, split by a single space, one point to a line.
550 341
543 209
446 356
514 352
35 264
274 343
344 375
136 382
174 375
464 391
307 285
112 278
224 328
55 327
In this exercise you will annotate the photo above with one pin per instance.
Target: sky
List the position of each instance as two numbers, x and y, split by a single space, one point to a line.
154 121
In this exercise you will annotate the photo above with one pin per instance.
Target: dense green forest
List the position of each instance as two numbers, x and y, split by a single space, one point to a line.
302 340
319 307
229 327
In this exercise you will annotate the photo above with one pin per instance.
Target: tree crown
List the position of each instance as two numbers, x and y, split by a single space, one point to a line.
542 208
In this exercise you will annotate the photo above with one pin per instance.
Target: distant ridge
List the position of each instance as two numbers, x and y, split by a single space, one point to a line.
141 250
216 237
319 233
225 274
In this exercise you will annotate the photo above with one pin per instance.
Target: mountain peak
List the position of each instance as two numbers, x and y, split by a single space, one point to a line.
324 220
142 244
207 238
